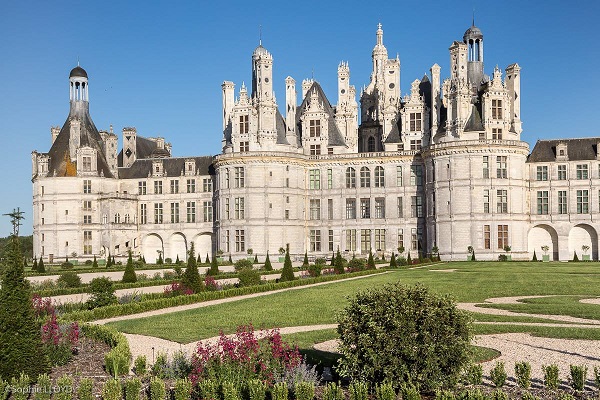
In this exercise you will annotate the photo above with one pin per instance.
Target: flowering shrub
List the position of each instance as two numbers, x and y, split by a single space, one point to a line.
177 289
60 340
244 356
42 306
211 284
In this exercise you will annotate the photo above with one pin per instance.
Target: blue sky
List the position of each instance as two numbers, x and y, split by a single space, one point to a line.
159 65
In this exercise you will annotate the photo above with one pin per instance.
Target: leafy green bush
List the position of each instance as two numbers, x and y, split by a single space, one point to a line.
358 390
207 389
393 334
279 391
551 376
597 377
314 270
498 374
69 280
409 391
102 293
133 389
65 388
474 374
4 389
66 265
20 386
385 391
158 390
499 394
370 261
183 389
444 395
230 391
139 365
242 264
304 391
331 391
43 390
338 263
248 277
257 390
357 264
86 389
523 374
578 375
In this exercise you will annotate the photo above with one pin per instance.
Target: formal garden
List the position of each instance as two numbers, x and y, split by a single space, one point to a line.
329 329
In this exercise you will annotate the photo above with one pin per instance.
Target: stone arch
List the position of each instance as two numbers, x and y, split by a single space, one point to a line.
543 235
203 244
583 235
151 245
178 247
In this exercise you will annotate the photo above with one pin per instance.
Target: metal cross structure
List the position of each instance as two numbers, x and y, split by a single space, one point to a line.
15 219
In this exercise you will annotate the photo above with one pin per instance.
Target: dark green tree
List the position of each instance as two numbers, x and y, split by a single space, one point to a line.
35 264
20 340
534 256
191 277
102 293
268 266
25 263
41 268
214 267
177 260
95 263
160 259
129 275
393 263
338 265
332 259
108 261
370 261
305 262
287 273
575 258
473 256
230 260
207 261
144 259
382 256
113 261
256 259
199 259
408 259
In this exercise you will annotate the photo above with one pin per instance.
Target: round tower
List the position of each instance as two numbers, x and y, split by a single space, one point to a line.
473 38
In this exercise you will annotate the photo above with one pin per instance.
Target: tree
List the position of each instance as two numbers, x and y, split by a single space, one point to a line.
408 259
534 256
108 261
102 293
95 263
473 256
371 261
177 260
425 341
113 261
207 261
160 259
41 269
268 266
214 267
256 259
338 265
25 263
129 275
230 260
20 339
34 267
575 258
287 273
199 259
393 263
333 259
191 276
305 263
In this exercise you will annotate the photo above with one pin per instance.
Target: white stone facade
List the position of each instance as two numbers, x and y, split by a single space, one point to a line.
442 166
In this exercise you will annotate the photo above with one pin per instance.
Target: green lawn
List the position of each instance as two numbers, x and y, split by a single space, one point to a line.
558 305
472 282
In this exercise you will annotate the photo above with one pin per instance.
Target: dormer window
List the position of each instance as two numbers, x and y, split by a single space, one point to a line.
244 124
496 133
87 164
315 128
415 122
496 109
244 147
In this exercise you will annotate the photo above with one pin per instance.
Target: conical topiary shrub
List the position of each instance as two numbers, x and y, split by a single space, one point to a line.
338 265
370 261
393 263
41 268
191 276
287 273
129 275
305 262
268 266
534 256
95 263
214 267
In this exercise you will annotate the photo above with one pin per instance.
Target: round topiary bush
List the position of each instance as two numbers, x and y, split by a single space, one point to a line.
398 334
102 293
69 280
242 264
248 277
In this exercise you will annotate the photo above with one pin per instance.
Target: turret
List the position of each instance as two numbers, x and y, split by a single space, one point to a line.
290 108
435 98
129 146
473 38
228 103
513 85
343 83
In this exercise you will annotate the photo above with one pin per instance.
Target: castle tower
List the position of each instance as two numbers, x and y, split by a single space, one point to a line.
473 38
290 109
263 97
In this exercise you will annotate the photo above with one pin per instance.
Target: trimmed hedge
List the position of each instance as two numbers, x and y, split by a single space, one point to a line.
118 358
165 302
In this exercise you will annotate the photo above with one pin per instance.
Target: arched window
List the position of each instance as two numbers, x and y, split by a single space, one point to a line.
379 177
350 177
365 177
117 218
371 144
126 218
105 219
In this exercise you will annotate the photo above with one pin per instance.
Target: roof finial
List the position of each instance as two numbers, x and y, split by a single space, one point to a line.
473 24
260 35
78 61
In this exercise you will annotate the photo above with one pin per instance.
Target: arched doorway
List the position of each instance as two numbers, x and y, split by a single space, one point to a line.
543 235
203 244
583 235
151 246
178 247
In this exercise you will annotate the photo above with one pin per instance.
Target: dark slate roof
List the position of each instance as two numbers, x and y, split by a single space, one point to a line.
88 137
142 168
143 149
281 128
577 149
474 123
78 72
394 136
472 33
335 136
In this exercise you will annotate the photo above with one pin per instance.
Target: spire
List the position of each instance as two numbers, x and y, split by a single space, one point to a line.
379 34
473 23
260 35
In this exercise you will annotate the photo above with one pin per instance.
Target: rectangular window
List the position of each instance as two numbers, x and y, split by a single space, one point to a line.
226 207
350 177
415 144
380 239
562 172
191 211
416 206
239 177
562 202
379 177
400 208
365 240
158 213
350 208
314 179
87 186
191 186
496 133
207 185
542 173
87 205
315 209
207 211
400 238
380 207
87 164
399 176
329 208
244 124
486 167
244 147
240 241
502 236
502 201
486 201
501 171
315 240
174 213
157 187
415 122
582 171
542 202
315 128
143 214
329 178
582 202
315 149
87 219
239 208
351 239
87 238
287 214
416 175
496 109
487 238
174 186
365 177
414 239
227 178
330 240
365 208
226 240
